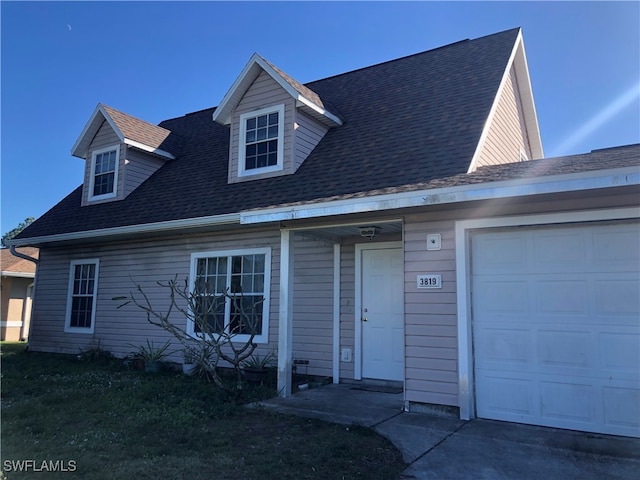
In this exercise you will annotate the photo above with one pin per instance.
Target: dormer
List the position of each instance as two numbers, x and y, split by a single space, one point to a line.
120 152
275 122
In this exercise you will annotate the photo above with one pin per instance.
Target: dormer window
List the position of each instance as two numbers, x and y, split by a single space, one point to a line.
262 141
104 173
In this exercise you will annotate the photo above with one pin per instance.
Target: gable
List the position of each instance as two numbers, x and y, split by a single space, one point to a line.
507 137
511 132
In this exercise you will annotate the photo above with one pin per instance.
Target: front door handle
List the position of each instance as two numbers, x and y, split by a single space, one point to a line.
365 319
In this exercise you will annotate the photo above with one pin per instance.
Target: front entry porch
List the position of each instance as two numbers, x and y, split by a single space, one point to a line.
341 304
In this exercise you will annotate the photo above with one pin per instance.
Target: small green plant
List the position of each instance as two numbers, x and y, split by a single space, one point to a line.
151 353
257 362
95 354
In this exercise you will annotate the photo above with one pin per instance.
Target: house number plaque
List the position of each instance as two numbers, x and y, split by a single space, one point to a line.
430 280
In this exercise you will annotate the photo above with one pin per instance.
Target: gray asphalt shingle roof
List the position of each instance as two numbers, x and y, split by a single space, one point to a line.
410 123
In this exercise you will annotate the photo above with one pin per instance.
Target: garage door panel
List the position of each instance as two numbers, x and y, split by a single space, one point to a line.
620 353
621 407
561 296
556 326
504 296
504 346
555 251
562 348
567 401
505 396
618 297
617 249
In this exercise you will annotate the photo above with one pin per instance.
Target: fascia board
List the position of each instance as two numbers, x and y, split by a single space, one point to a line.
526 94
90 126
628 176
226 219
147 148
317 108
8 273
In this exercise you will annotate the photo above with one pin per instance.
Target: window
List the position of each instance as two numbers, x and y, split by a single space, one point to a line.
245 275
261 145
104 173
81 300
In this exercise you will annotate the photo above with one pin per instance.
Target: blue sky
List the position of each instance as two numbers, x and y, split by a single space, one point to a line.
159 60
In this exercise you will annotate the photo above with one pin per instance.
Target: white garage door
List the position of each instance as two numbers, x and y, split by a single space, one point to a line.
556 326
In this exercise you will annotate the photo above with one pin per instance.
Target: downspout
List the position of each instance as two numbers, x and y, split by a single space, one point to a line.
14 252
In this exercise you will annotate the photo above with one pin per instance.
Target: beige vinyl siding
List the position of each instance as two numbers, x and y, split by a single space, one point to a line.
430 315
145 263
264 92
138 167
105 137
313 305
308 134
507 136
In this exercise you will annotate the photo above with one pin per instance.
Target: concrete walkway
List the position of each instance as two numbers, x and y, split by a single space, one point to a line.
444 447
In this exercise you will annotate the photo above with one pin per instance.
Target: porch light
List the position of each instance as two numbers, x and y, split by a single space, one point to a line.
369 232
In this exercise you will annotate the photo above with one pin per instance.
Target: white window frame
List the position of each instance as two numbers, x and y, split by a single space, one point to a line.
92 177
67 326
242 144
263 338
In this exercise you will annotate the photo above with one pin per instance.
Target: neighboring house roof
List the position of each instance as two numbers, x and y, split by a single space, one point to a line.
13 266
409 124
131 130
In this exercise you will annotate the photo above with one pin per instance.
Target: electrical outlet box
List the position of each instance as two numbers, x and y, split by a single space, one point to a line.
345 355
434 241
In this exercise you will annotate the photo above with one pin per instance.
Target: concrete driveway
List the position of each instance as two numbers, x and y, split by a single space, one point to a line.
444 447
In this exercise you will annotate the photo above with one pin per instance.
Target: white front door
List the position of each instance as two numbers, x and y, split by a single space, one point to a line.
382 315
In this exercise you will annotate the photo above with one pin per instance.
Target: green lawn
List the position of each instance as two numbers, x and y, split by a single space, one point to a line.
100 420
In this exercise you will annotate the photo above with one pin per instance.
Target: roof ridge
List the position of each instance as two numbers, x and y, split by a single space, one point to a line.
412 55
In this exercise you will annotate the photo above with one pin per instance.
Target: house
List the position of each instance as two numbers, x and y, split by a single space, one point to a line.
17 293
399 221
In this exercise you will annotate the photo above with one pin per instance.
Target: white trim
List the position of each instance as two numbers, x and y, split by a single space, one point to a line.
263 338
242 171
67 324
147 148
466 394
336 313
590 180
7 273
213 220
285 325
357 368
316 108
91 197
11 324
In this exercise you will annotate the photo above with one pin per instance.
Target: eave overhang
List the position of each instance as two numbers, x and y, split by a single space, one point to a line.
583 181
309 102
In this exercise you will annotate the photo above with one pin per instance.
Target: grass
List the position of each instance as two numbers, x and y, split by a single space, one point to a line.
116 423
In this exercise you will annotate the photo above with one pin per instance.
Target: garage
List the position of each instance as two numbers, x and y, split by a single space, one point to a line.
556 325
